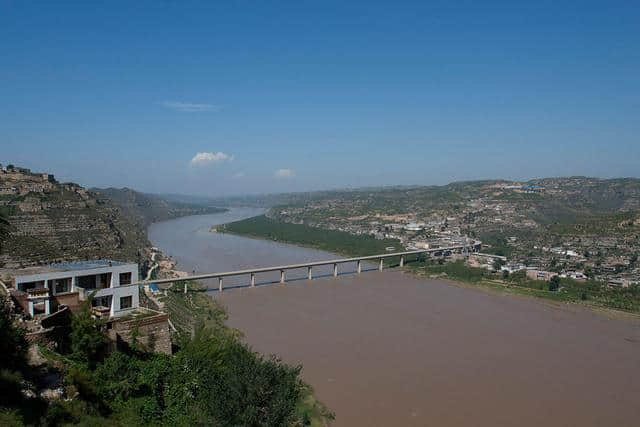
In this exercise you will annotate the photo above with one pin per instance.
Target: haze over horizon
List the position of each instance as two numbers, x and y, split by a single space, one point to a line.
244 98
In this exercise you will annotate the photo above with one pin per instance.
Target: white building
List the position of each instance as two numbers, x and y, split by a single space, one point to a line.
70 283
414 227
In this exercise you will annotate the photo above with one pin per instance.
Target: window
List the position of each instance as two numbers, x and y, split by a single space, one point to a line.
87 282
126 302
62 285
125 279
31 285
101 301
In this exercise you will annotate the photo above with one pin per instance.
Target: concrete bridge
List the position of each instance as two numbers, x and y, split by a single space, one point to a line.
308 265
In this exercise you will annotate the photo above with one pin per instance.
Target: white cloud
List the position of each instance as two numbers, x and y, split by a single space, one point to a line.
205 159
188 107
285 173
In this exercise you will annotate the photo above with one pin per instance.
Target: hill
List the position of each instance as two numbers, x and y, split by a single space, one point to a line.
51 221
149 208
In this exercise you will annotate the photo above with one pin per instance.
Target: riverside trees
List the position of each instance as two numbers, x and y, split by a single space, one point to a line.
213 379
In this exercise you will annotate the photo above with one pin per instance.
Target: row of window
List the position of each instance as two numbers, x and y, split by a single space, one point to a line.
125 302
89 282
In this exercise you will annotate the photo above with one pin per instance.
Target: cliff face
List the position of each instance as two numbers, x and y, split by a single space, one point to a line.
53 221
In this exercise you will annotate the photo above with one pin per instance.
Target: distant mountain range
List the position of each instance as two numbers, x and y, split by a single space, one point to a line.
149 208
61 221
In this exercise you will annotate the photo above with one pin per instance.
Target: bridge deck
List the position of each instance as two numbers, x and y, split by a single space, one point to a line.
281 268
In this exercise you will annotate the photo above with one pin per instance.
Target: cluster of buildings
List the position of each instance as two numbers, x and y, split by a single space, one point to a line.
22 188
510 218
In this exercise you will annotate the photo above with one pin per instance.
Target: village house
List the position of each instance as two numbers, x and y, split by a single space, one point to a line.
46 295
540 275
41 290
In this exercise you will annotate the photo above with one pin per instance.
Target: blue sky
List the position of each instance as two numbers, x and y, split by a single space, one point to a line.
236 97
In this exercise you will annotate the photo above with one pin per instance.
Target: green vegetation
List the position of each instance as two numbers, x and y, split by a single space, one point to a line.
298 234
560 289
497 244
212 379
195 309
4 229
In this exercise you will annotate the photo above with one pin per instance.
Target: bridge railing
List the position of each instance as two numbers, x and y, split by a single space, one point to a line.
251 272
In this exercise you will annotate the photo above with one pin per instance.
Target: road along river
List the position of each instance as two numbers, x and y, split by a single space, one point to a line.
387 349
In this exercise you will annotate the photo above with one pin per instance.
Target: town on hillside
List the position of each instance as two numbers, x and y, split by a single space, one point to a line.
579 228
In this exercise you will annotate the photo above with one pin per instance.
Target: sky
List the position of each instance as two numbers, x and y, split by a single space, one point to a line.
244 97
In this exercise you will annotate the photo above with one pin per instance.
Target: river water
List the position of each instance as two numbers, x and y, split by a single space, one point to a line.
387 349
196 249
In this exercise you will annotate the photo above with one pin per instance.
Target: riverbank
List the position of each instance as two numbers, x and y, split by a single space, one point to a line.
195 309
391 348
338 242
591 294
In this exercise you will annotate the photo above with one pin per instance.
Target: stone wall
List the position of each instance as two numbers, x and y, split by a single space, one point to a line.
71 300
153 333
21 299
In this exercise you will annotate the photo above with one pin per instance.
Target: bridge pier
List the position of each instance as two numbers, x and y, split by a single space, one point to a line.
403 257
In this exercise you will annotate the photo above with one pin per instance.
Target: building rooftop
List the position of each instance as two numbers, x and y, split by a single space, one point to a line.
85 265
67 266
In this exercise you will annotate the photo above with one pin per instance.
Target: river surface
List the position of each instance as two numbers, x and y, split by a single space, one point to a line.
388 349
195 248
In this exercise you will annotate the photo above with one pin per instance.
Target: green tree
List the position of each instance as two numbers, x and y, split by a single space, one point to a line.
5 228
13 346
554 283
15 408
87 340
588 271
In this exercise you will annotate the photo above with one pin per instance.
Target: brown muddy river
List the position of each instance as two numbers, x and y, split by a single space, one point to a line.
387 349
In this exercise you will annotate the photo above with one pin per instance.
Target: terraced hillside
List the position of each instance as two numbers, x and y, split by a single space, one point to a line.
51 221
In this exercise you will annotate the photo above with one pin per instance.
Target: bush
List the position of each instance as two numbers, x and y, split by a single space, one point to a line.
13 346
88 343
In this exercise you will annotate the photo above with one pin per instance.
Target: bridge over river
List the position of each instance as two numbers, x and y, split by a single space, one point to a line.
252 272
387 348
